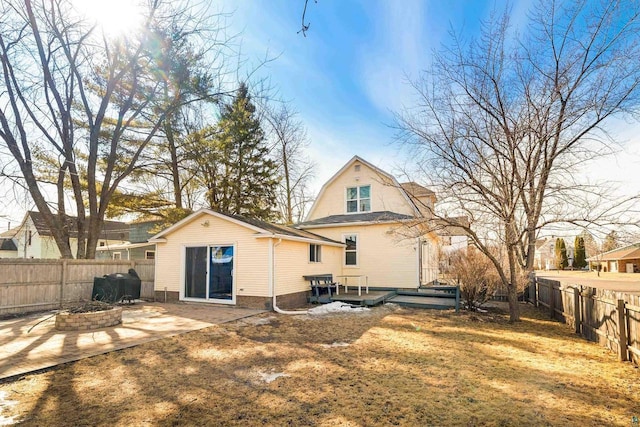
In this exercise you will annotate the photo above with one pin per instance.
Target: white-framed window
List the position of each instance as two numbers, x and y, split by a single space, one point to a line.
102 244
351 250
315 253
116 255
359 199
149 254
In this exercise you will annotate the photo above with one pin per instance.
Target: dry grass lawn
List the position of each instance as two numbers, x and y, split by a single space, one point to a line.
389 366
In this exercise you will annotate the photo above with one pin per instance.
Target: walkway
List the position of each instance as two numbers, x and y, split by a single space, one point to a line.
23 351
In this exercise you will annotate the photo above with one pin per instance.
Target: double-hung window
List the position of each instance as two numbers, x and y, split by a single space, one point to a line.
359 199
351 250
315 253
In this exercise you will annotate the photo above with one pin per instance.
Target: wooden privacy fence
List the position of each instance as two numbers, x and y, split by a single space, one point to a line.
610 318
28 285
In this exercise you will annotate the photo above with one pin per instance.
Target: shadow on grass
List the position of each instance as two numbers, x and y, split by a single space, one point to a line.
407 367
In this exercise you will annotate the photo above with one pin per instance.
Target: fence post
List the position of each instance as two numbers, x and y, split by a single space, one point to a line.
622 332
63 280
552 301
577 310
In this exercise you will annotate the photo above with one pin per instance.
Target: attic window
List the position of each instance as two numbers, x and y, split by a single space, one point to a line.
356 168
359 199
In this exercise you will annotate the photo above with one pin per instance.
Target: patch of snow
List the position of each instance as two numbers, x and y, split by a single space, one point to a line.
335 307
4 403
336 344
270 377
258 321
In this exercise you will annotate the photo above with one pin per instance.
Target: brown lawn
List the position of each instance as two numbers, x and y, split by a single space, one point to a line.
385 367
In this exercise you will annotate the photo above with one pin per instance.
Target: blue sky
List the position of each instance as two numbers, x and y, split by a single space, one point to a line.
351 71
349 74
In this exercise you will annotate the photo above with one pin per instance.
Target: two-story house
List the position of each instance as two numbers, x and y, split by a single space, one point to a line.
138 246
364 228
34 239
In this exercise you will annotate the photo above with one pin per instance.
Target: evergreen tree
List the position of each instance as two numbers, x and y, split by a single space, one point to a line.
239 176
580 253
561 254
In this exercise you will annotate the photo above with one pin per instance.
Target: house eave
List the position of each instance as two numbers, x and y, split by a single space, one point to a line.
350 224
298 239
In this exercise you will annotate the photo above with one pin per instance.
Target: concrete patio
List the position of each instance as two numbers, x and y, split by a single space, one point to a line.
27 345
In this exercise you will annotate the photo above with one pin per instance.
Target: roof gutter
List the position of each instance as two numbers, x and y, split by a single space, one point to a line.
298 239
350 224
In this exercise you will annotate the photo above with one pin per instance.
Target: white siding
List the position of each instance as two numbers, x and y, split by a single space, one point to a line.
388 259
292 262
251 257
385 196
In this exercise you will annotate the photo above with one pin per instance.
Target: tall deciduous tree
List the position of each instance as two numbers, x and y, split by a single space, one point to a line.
294 166
234 161
501 121
88 101
611 241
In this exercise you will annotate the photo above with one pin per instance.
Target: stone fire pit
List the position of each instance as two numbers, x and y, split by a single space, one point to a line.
93 317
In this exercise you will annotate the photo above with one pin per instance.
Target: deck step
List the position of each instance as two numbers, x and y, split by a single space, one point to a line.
423 302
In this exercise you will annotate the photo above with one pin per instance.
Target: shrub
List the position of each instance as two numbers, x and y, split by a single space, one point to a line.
476 275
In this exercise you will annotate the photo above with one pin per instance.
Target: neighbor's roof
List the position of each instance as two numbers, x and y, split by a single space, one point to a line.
262 228
10 233
414 189
447 227
8 245
111 230
368 217
628 252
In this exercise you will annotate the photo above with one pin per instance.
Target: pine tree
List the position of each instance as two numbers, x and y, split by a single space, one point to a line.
561 254
580 253
238 173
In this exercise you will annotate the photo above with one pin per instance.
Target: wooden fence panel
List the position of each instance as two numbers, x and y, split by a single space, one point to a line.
610 318
28 285
633 332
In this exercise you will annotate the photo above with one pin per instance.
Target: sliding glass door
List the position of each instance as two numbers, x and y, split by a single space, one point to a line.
209 273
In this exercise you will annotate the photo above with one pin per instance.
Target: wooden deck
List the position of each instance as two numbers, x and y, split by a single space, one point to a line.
439 299
423 302
367 300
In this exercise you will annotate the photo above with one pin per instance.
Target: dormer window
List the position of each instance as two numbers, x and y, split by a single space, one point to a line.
359 199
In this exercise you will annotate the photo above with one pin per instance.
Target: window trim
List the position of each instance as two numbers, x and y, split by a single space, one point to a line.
315 256
358 199
118 257
146 253
344 257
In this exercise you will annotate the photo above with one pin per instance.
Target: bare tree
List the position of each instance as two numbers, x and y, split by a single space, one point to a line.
83 102
501 122
296 169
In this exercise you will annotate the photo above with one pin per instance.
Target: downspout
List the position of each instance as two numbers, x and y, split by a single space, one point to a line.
272 280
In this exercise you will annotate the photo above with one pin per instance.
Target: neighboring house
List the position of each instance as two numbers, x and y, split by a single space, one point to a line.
228 259
621 260
545 256
8 248
138 246
35 240
363 227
